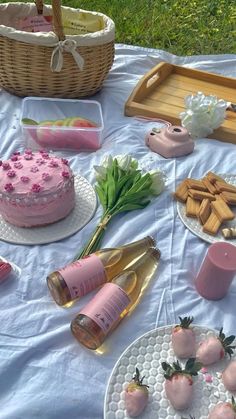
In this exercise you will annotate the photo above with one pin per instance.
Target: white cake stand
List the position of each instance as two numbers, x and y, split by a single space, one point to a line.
85 207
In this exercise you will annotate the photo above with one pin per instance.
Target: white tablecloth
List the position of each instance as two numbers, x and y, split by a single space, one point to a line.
44 372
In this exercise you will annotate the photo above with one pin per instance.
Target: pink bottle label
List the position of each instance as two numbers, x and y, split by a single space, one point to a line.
107 305
83 275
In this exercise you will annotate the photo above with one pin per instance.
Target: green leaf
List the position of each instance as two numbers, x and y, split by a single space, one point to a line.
229 340
111 188
177 366
143 183
124 184
130 207
133 197
115 170
101 196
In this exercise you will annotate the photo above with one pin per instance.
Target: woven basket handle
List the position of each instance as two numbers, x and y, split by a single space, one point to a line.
56 14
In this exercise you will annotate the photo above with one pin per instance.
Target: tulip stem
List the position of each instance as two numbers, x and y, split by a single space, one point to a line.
94 243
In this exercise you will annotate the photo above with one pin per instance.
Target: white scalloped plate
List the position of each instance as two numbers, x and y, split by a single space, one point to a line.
147 353
85 207
196 228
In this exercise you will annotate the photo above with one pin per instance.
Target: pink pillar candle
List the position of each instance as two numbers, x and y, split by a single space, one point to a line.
217 271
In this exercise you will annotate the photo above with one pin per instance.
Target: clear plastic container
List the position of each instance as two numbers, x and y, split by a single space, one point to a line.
64 134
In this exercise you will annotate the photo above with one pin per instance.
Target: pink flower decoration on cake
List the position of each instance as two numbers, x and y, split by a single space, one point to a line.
6 166
11 173
34 169
45 155
16 153
42 151
36 187
53 163
28 156
28 151
65 174
14 158
46 176
65 161
18 165
40 161
24 179
9 187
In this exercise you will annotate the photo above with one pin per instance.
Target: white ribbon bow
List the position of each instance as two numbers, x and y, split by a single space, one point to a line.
68 45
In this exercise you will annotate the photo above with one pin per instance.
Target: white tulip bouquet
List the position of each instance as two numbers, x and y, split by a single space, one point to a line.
121 187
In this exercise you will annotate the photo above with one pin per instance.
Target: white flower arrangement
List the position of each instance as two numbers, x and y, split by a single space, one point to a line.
203 114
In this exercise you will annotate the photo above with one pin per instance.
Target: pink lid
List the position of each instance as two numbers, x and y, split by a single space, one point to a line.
223 255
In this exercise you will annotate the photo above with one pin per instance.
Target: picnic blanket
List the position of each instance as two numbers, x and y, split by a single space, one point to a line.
44 372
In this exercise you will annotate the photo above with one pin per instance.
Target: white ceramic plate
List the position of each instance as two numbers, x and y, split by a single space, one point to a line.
147 353
85 207
196 228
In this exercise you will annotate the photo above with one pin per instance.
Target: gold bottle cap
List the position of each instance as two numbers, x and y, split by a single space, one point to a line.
156 253
151 241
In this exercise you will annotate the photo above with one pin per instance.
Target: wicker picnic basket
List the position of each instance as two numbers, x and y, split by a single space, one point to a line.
50 63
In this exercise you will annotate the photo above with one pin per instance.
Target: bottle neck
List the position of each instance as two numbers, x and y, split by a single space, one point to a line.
138 274
152 254
145 242
125 254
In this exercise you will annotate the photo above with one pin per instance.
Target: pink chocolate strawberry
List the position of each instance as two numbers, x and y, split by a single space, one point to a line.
229 376
5 269
215 348
183 338
224 410
179 382
136 395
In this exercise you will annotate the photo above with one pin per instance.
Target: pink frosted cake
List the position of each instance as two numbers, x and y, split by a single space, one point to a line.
36 189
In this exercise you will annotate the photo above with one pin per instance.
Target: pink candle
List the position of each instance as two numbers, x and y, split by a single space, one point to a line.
217 271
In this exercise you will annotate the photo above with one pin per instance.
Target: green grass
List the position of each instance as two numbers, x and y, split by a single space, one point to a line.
182 27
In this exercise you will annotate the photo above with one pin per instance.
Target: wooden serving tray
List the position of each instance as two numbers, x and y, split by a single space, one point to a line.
160 94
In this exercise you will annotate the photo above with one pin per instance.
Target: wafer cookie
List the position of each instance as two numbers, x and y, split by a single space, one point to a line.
209 186
181 193
229 197
200 195
204 211
212 225
222 210
192 207
229 233
196 184
213 177
221 187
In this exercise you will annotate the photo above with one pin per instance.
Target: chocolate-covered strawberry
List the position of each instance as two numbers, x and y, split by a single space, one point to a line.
136 395
5 269
229 376
183 338
224 410
179 382
215 348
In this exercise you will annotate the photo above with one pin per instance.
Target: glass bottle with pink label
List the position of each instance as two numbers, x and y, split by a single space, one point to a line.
82 276
114 301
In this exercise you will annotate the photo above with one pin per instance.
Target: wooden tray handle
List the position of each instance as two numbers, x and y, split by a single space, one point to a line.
149 82
156 76
56 14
